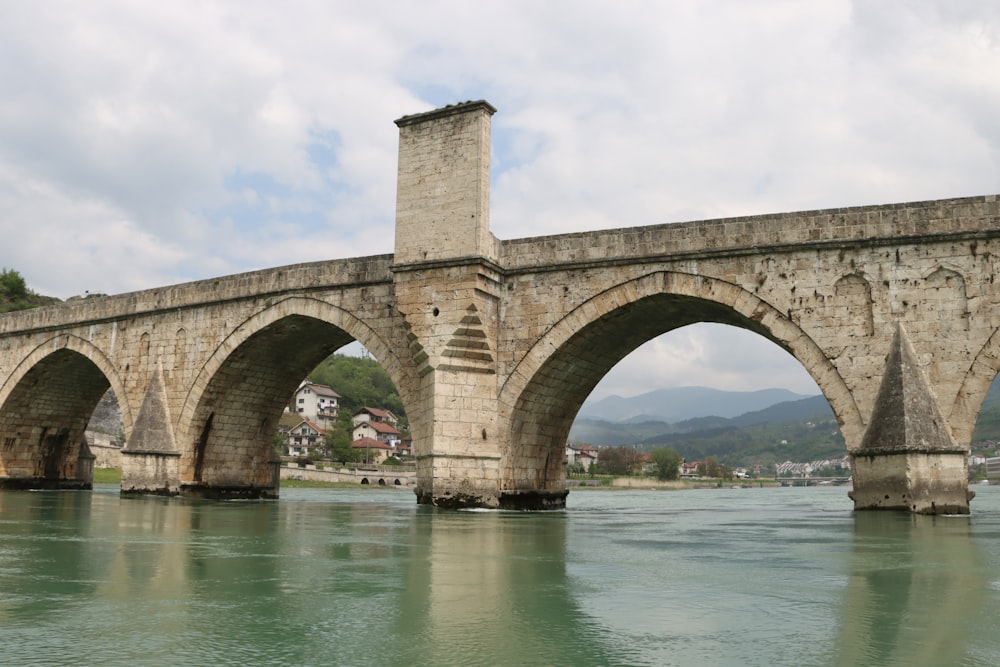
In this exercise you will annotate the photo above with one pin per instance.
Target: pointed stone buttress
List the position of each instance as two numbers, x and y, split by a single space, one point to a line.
908 459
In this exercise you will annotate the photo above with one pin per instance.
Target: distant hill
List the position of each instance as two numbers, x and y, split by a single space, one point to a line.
682 403
603 432
797 430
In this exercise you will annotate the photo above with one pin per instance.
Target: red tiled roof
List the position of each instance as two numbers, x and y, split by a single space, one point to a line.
318 429
380 427
375 412
369 443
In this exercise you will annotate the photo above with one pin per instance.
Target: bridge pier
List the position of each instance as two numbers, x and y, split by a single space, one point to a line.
918 482
448 283
908 459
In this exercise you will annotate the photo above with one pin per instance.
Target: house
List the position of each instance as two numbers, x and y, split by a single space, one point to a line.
376 430
405 446
316 402
690 469
375 415
585 455
375 451
304 438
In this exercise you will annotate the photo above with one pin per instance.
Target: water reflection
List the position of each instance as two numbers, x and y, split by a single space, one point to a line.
782 577
43 561
491 588
914 584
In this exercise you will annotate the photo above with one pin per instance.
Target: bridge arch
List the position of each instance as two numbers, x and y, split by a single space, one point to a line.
230 414
546 389
46 403
975 385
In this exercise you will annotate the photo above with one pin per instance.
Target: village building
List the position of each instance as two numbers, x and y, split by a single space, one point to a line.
375 451
585 455
381 431
317 403
375 415
690 468
304 438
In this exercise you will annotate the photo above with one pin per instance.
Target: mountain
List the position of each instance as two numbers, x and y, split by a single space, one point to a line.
796 419
682 403
796 430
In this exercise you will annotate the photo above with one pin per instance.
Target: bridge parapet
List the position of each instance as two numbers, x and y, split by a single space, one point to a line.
968 217
266 283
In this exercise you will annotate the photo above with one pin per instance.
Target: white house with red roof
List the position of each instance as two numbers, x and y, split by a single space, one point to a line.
375 415
380 431
375 451
304 437
585 455
316 402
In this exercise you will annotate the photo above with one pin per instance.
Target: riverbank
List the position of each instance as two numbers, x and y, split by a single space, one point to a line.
613 483
114 476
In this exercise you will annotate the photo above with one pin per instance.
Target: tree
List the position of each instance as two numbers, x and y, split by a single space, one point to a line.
710 467
612 460
13 291
617 460
360 382
668 463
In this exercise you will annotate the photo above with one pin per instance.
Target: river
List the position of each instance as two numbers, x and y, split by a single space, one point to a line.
776 576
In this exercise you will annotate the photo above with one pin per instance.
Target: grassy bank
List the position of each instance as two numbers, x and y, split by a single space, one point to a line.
107 476
114 476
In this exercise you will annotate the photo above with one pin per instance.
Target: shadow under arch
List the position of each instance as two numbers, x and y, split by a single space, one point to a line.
548 386
229 416
45 406
971 394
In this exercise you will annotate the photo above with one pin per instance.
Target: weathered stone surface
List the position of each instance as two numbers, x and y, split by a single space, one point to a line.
908 459
152 431
494 345
923 483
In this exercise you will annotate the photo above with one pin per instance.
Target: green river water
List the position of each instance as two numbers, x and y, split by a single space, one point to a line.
779 576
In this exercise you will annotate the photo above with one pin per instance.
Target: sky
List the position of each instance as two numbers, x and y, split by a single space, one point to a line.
146 144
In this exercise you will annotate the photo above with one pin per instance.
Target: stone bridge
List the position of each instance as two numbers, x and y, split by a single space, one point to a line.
493 345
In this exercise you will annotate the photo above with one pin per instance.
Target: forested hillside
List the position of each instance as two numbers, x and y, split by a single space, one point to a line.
798 431
15 295
361 382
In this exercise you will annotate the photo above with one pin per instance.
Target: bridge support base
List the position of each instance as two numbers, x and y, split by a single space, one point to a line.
534 500
505 500
150 473
207 492
918 482
44 484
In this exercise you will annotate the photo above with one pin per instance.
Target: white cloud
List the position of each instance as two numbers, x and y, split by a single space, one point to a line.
706 355
146 144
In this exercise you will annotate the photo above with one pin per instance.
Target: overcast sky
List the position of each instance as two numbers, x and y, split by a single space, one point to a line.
145 144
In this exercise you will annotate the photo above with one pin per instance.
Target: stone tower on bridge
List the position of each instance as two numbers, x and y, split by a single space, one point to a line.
494 345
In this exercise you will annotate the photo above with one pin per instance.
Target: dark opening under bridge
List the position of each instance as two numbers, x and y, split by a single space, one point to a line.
493 345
